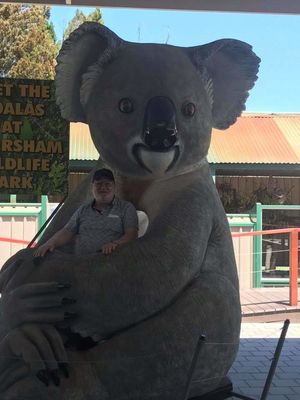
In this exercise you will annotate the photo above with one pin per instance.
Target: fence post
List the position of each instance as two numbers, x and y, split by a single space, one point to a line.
293 268
257 247
43 212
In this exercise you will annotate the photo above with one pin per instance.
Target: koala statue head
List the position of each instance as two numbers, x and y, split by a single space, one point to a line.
151 107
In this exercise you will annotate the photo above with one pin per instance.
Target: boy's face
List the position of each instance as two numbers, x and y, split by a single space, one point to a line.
103 190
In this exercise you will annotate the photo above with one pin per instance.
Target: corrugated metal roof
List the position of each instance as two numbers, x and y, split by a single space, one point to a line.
258 139
81 145
291 129
253 139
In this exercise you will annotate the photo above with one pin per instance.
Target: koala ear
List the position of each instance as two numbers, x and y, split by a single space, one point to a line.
84 47
228 68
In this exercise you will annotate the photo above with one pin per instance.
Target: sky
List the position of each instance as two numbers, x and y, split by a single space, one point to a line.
274 38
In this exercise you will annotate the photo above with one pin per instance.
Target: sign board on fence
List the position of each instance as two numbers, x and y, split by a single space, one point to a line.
34 139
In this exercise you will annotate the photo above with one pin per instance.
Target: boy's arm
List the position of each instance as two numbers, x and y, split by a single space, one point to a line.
60 238
63 236
130 234
130 223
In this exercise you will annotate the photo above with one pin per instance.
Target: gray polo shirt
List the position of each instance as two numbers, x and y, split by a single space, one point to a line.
93 229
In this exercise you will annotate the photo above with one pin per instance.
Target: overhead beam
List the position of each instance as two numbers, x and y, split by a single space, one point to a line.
251 6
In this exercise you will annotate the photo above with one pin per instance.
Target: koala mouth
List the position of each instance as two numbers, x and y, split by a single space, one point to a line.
158 150
155 161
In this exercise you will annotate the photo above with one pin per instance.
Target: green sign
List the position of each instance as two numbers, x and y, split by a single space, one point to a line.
34 139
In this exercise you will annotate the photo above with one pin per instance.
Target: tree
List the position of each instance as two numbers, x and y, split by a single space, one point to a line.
27 42
79 18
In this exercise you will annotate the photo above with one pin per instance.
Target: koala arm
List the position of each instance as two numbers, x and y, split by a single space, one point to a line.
29 295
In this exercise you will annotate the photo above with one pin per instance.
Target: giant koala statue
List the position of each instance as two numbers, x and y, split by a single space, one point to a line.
139 312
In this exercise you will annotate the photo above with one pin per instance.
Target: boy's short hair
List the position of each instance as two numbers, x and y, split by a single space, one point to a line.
103 173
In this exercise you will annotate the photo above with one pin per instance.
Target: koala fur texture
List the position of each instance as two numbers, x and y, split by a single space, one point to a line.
150 109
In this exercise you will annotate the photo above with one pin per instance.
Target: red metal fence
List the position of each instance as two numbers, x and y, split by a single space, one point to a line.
9 240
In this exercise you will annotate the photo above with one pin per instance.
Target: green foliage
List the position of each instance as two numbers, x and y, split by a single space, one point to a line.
79 18
95 16
50 28
26 131
27 42
58 177
235 202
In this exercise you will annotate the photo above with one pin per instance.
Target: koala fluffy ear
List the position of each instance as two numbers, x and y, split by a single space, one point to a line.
229 69
84 47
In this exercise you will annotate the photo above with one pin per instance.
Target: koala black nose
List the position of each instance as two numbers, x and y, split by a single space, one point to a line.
160 132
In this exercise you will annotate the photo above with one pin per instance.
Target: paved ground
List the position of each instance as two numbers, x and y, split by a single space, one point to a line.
257 345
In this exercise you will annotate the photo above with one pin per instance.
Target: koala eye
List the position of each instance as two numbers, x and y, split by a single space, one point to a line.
125 106
188 109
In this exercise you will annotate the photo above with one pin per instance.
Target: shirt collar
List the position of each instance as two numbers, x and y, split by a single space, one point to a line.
111 204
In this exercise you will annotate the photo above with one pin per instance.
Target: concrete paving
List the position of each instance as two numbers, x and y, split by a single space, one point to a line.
257 346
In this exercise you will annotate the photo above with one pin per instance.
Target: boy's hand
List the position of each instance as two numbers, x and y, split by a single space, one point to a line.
108 248
42 250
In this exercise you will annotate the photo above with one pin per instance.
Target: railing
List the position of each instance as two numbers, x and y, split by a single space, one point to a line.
17 241
293 257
